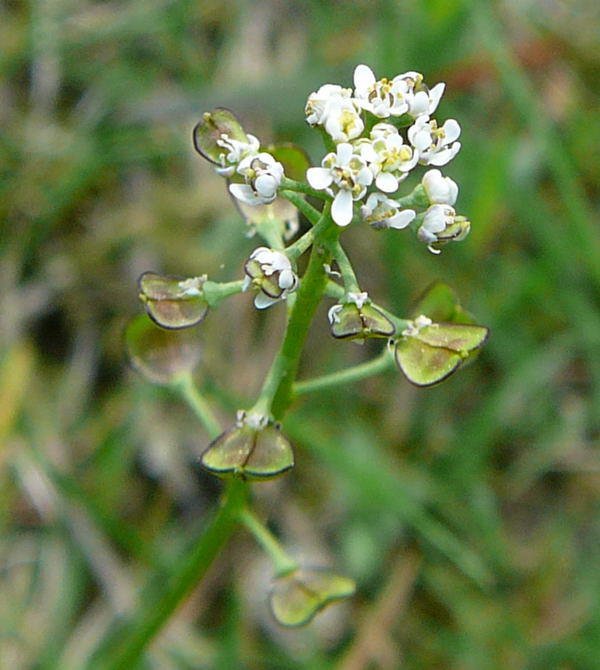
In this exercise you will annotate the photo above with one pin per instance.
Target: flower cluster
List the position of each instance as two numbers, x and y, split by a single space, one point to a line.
373 156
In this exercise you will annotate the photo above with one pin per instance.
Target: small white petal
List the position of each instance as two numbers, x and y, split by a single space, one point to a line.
344 153
262 301
341 210
319 177
421 140
244 193
451 131
435 95
364 177
266 185
402 219
287 279
420 104
444 156
386 182
363 77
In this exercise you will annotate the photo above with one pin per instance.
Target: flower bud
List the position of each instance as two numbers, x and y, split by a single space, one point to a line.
173 302
359 319
252 449
299 595
271 272
262 174
442 225
440 190
383 212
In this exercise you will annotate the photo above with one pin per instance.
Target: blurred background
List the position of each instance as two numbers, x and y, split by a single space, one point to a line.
468 513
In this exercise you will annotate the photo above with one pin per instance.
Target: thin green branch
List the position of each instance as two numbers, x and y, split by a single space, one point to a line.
272 233
383 362
189 392
294 251
312 214
282 562
302 187
348 276
216 292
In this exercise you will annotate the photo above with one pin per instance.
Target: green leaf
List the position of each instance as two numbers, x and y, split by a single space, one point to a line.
249 453
439 302
295 160
424 365
457 337
162 356
169 303
214 124
299 595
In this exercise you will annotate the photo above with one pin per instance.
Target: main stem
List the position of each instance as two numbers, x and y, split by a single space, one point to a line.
166 592
276 394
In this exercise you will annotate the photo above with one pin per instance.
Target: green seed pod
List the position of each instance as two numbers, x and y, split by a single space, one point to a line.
299 595
173 302
162 356
349 321
210 130
249 452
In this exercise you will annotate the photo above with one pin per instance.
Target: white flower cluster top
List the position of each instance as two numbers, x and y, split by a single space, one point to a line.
376 133
377 154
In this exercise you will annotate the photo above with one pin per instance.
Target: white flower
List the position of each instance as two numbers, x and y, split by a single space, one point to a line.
440 190
417 325
234 152
263 175
432 142
348 174
256 421
382 97
333 108
421 99
389 158
271 272
359 299
319 101
440 225
383 212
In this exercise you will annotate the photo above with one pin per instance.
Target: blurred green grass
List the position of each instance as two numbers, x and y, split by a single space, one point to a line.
468 513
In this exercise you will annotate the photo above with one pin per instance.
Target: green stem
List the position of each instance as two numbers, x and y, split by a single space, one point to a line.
271 232
188 390
276 394
302 187
282 562
417 198
164 593
294 251
383 362
348 276
312 214
216 292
